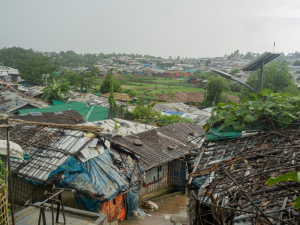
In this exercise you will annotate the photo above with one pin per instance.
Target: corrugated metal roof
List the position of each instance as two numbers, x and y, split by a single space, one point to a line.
66 117
163 144
180 107
125 127
48 148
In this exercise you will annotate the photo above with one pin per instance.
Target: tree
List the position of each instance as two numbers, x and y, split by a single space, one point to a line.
296 63
207 62
216 86
132 93
234 71
57 91
105 86
36 66
276 76
95 71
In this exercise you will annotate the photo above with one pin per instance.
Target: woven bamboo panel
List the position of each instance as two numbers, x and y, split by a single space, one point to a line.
3 206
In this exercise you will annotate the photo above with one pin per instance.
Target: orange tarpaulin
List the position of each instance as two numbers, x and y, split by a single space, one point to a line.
115 209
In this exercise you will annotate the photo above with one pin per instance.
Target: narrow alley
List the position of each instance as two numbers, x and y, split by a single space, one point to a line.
172 205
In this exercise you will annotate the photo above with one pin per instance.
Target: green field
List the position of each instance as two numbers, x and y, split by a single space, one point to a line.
160 85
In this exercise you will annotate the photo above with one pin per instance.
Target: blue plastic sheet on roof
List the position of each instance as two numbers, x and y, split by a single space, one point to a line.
144 64
199 181
132 199
174 112
98 176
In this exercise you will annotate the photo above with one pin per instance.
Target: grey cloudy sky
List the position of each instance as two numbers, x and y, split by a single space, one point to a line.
192 28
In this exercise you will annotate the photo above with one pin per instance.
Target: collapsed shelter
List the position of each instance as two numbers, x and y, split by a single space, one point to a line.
228 184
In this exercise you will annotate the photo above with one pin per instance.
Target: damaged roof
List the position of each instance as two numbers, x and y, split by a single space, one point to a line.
162 145
48 148
125 127
233 173
63 117
11 101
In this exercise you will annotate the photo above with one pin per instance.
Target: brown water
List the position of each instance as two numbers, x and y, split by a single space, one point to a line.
169 204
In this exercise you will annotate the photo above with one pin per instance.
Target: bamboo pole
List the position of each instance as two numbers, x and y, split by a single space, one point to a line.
10 176
52 125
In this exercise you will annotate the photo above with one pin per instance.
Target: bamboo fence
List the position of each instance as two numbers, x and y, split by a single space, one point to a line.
3 206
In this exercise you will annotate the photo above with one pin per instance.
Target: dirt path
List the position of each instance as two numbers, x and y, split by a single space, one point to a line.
169 204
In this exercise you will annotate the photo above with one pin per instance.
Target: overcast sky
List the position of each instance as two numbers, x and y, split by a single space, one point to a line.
186 28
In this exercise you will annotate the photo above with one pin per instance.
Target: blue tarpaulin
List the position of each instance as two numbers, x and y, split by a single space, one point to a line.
199 181
132 199
144 64
98 176
174 112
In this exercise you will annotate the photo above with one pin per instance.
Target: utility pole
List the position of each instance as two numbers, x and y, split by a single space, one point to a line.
46 76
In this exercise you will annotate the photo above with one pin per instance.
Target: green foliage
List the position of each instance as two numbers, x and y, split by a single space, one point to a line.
116 123
105 86
57 91
146 112
215 87
296 63
32 69
3 171
132 93
287 177
234 71
265 109
111 98
277 77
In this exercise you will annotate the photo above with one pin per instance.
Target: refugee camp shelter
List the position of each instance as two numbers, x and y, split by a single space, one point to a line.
229 186
90 113
106 180
126 127
71 117
161 153
11 100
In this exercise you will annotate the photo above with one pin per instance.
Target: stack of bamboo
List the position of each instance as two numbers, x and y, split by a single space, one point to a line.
62 126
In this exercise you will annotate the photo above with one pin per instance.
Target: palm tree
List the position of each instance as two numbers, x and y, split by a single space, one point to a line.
57 91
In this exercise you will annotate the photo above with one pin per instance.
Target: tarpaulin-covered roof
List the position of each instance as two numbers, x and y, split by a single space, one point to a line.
163 144
48 148
92 113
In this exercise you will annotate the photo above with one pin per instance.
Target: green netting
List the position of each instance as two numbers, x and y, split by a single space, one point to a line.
92 113
214 134
97 112
98 94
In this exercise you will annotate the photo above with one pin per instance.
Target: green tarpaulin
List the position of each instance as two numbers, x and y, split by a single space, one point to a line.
91 114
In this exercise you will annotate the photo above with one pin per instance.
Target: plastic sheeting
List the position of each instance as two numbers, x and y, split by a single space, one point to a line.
15 150
174 112
98 176
199 181
132 198
222 133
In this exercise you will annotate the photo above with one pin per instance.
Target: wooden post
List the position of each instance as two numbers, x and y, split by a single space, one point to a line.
10 177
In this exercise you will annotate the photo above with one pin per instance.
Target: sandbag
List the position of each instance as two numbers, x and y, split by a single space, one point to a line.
15 150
